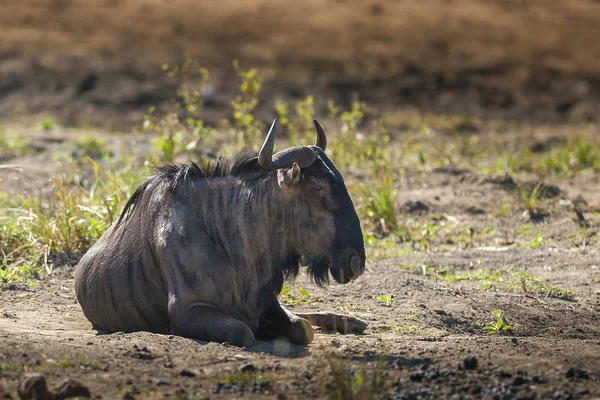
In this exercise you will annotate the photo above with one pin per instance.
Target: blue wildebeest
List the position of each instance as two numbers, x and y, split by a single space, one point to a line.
202 251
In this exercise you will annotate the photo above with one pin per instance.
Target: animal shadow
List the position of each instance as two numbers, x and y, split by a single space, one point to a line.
281 348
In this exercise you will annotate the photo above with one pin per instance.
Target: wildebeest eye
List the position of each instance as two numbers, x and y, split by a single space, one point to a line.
317 188
331 202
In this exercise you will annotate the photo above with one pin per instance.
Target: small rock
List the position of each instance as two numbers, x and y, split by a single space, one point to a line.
160 382
503 374
33 387
475 210
415 207
248 367
514 341
3 393
417 376
520 380
538 379
71 388
187 373
577 373
128 396
470 363
217 388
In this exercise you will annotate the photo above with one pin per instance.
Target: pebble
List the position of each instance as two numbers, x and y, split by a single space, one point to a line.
71 388
470 363
248 367
33 386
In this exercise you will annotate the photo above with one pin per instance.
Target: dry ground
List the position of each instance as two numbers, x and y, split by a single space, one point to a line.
417 345
43 330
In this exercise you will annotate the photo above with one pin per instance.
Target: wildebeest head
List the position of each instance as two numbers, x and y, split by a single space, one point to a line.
330 236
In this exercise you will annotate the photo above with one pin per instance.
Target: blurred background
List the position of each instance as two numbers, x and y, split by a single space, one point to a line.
99 62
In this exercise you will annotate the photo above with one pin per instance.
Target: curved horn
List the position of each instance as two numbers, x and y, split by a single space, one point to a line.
265 156
321 137
303 155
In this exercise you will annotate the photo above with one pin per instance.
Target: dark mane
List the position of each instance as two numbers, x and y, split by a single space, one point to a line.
244 163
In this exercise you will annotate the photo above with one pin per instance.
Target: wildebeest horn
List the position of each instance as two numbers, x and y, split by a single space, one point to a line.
303 155
265 156
321 137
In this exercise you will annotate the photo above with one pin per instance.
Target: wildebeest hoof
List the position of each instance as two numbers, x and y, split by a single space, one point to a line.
301 332
335 322
241 336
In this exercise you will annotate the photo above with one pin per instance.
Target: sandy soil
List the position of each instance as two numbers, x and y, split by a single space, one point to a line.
417 345
44 326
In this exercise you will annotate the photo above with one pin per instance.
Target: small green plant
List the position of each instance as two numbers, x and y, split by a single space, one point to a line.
410 330
521 162
574 156
498 325
538 239
68 362
179 129
11 369
93 148
168 137
510 279
532 201
19 273
69 220
503 211
350 308
245 378
379 202
47 124
299 123
13 145
581 239
295 297
349 383
245 103
386 299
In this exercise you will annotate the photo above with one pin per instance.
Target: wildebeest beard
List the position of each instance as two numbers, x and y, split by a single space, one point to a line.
317 269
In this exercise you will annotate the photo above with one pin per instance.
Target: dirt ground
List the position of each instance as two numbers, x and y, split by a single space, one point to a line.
418 345
42 328
97 64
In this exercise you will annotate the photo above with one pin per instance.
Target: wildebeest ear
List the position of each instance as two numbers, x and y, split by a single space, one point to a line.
288 178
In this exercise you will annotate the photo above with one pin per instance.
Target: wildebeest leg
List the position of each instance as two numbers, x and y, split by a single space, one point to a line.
211 325
279 321
335 322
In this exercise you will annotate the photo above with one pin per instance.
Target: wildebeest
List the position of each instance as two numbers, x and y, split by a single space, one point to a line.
202 250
